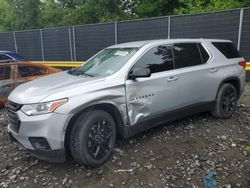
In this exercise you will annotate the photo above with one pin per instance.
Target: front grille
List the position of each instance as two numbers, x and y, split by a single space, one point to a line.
11 109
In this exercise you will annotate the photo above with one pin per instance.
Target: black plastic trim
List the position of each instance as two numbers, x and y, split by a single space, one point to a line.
55 156
167 117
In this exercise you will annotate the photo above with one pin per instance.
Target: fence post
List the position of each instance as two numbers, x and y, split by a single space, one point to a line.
169 27
42 48
74 42
70 45
240 27
115 32
15 43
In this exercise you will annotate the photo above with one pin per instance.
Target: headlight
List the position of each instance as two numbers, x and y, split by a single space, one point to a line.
42 108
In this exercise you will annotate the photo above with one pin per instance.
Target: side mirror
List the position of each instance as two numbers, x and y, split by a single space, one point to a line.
139 73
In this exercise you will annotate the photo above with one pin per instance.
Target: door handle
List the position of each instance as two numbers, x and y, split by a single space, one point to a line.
172 78
213 70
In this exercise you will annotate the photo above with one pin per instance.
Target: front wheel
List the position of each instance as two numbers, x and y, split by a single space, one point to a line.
226 101
92 138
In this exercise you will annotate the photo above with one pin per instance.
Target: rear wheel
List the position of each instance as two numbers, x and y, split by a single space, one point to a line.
226 101
92 138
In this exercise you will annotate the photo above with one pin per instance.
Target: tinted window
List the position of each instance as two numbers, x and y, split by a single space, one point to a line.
157 59
227 49
4 57
4 73
186 55
26 71
15 56
204 54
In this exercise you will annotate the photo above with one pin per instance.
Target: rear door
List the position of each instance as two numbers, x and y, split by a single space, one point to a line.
196 75
149 98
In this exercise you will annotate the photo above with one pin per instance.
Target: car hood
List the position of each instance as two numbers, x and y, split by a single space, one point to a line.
36 90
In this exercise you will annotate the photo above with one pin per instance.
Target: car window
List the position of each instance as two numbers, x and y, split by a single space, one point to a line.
186 55
15 56
157 59
227 49
204 54
4 57
106 62
5 73
27 71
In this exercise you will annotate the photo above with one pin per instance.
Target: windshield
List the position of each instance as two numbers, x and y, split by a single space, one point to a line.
106 62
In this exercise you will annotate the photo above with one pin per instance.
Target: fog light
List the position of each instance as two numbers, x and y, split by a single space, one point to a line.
39 143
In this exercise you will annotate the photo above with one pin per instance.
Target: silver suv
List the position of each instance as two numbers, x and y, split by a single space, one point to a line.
122 90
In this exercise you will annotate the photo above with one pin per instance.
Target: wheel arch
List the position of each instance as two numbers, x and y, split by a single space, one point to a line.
107 107
235 82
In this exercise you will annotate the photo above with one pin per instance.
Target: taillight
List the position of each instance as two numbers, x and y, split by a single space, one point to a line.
243 64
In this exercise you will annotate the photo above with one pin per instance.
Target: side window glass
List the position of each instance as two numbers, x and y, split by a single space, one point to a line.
5 73
27 71
4 57
227 49
157 59
204 53
186 55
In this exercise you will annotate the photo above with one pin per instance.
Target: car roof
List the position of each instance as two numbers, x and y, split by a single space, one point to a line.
138 44
7 52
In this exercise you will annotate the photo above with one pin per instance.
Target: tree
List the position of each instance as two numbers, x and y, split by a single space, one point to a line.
5 16
93 11
197 6
25 14
30 14
53 14
71 3
150 8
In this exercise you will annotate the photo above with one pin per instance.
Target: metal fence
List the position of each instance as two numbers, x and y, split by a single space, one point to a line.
78 43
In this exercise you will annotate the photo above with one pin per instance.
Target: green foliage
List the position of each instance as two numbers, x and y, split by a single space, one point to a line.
197 6
5 16
25 14
30 14
149 8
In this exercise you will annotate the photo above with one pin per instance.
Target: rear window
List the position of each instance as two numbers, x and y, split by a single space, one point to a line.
227 49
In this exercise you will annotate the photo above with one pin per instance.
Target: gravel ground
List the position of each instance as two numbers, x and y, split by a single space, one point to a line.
175 155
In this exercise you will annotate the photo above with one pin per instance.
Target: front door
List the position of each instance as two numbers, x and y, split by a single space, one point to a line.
148 98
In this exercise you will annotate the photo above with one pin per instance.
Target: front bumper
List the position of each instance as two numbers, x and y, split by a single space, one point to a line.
50 127
56 156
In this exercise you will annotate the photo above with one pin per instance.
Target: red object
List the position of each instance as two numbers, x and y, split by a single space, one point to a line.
243 64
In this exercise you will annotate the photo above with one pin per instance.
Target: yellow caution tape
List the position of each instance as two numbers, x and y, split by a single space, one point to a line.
248 66
59 63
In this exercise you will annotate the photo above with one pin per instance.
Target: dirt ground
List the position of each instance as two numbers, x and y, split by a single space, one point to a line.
178 154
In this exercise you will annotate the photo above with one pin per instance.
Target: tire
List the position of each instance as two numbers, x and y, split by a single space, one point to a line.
226 101
92 138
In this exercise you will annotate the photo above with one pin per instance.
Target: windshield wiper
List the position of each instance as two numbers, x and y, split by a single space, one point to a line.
85 74
76 72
